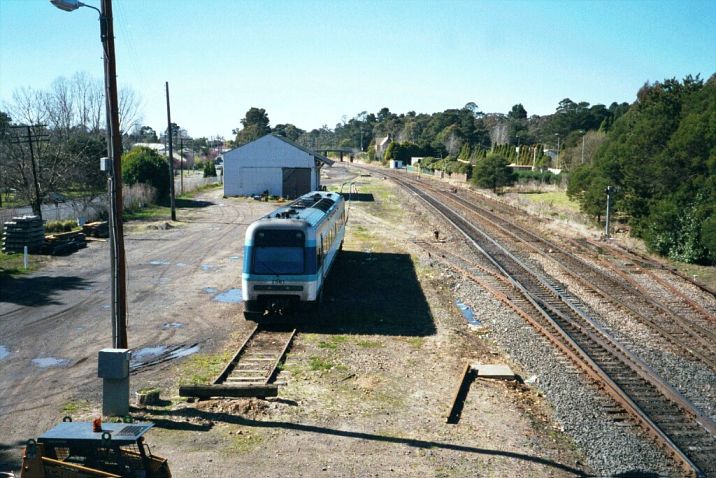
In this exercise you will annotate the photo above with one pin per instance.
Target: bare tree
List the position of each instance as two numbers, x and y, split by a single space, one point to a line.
88 95
129 106
70 117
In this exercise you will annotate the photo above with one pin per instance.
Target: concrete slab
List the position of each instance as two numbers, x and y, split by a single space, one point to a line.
496 371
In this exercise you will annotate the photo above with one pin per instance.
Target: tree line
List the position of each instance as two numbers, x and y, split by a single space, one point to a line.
658 152
660 158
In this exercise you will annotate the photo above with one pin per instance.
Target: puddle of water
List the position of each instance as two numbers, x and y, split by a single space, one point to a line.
45 362
210 290
159 262
234 258
3 352
468 313
172 325
232 296
106 306
207 267
184 351
146 353
160 353
181 264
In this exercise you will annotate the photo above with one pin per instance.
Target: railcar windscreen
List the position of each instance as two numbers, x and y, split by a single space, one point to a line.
278 260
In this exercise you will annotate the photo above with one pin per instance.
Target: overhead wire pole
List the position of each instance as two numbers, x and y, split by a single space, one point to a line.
171 155
114 146
181 164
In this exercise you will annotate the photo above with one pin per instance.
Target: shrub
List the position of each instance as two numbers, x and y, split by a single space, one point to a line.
493 172
145 166
209 169
60 226
138 196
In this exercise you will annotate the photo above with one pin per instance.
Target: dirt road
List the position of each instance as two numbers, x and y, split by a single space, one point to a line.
367 383
53 322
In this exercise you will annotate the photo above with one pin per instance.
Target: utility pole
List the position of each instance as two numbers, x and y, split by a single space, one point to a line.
171 156
37 199
114 146
181 163
609 191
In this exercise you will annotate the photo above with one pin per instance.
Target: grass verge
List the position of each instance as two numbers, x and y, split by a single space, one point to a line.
203 368
555 199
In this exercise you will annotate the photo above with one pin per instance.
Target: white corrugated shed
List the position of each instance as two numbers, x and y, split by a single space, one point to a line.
275 164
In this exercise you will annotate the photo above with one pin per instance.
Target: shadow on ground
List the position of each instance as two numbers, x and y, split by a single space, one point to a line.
372 293
10 456
191 203
214 417
37 290
362 197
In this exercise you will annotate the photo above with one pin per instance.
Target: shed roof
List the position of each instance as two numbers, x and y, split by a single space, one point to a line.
318 157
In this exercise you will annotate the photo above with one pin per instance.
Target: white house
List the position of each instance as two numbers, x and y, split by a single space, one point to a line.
381 144
275 164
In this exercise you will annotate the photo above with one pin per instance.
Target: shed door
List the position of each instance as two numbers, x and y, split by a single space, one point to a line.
296 181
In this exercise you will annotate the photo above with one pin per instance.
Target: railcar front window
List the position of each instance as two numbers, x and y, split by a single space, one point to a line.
278 260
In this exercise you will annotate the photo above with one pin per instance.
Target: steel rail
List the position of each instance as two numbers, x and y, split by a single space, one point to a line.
704 338
258 339
599 338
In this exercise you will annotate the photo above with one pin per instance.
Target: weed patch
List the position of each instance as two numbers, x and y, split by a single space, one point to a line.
202 368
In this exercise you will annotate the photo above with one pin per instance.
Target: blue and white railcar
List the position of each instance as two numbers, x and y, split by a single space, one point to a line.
289 252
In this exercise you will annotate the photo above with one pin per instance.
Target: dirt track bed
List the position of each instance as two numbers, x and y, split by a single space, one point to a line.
368 385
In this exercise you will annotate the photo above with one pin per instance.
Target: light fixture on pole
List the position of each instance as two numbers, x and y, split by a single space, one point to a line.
114 150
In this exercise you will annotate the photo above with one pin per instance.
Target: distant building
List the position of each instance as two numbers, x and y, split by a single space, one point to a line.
381 144
162 149
275 164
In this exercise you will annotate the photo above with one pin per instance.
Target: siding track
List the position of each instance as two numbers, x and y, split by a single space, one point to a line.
684 431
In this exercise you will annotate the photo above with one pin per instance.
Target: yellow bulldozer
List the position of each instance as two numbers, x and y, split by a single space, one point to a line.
91 450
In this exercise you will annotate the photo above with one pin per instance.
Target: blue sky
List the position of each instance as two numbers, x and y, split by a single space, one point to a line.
312 62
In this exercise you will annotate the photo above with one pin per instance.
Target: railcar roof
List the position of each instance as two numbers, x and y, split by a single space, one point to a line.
310 207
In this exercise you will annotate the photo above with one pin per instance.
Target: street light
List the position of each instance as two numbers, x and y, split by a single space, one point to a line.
114 150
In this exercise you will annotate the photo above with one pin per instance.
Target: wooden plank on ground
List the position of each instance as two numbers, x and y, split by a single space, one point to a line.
459 396
209 391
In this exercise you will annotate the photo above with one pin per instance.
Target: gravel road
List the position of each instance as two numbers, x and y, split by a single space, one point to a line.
54 321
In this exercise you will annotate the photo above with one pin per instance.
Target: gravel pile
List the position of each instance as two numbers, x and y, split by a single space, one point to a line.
611 447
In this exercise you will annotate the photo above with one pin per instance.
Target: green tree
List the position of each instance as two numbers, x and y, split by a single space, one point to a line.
146 166
517 112
661 155
209 169
493 172
288 131
255 125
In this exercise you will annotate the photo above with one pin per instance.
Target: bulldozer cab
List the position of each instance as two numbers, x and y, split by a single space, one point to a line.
75 450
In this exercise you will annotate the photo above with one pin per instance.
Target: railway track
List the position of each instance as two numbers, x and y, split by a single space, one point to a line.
679 321
687 434
257 359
